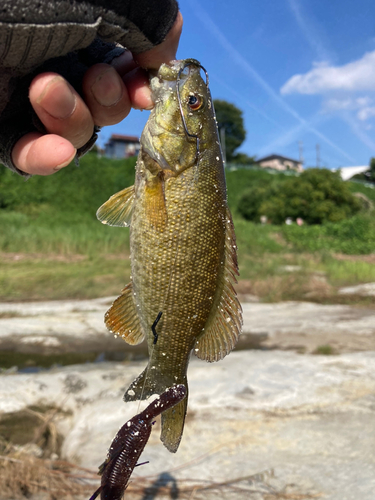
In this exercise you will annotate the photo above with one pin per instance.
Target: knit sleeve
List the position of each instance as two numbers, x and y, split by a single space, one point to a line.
66 36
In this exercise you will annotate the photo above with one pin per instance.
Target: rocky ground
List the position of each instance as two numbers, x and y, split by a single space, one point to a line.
275 422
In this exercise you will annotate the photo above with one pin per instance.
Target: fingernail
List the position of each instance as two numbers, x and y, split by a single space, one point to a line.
107 88
57 99
65 163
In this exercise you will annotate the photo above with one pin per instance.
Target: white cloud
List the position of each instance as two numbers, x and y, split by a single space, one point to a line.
355 76
366 113
347 103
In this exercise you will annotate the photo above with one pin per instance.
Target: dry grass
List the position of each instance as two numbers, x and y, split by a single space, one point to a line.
32 257
370 259
294 286
23 476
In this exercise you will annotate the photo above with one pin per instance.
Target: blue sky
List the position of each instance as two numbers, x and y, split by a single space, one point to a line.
302 72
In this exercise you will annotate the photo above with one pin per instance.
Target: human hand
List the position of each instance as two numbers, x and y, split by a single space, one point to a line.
110 91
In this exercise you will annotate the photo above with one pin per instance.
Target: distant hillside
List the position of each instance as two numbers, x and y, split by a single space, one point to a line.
74 190
81 190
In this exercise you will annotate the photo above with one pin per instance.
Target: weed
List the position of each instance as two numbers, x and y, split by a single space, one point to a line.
325 350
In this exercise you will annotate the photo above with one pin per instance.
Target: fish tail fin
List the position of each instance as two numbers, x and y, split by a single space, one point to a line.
172 420
172 424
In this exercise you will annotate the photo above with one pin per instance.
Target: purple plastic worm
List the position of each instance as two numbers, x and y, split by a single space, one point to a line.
129 443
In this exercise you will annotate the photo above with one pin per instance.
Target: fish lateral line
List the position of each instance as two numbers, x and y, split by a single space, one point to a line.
153 327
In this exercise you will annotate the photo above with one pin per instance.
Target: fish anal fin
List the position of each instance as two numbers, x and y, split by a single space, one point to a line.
152 382
122 318
224 324
117 211
155 202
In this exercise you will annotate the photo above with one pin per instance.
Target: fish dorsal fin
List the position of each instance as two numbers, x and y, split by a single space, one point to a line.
117 211
122 318
224 324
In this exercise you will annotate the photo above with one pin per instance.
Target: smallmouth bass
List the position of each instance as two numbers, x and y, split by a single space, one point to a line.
182 242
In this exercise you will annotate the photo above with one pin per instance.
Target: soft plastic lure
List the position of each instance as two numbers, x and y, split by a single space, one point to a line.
129 443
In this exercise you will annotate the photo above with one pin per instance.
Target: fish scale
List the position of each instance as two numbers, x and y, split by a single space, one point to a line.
182 242
183 277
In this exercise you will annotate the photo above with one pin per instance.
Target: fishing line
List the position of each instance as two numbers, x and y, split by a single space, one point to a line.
185 195
155 334
187 64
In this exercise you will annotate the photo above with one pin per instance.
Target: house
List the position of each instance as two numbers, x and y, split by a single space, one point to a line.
122 146
279 162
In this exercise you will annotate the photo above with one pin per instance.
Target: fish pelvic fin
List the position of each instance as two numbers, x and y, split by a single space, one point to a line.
149 382
117 211
223 327
172 420
122 318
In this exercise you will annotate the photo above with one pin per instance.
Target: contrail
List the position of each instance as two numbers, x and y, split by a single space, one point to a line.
246 101
309 32
283 140
206 20
362 136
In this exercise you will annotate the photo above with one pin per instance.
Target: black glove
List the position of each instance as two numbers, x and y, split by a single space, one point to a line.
67 37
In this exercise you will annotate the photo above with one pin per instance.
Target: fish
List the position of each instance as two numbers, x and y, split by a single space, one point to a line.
182 242
129 443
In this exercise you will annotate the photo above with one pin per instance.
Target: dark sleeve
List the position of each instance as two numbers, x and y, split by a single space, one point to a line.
66 36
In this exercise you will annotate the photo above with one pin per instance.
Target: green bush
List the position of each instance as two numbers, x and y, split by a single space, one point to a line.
253 197
352 236
317 196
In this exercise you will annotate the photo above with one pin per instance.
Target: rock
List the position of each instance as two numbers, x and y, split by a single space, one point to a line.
78 326
304 326
302 425
58 327
289 269
365 290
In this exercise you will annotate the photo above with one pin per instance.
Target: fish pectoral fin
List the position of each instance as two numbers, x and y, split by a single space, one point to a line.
224 324
122 318
156 209
117 211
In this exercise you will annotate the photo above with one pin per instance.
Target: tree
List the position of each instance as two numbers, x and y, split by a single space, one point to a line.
317 196
230 118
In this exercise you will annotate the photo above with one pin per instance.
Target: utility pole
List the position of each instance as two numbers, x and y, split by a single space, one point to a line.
222 140
300 147
318 155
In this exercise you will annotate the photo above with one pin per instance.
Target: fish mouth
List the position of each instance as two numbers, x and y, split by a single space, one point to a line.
172 75
166 87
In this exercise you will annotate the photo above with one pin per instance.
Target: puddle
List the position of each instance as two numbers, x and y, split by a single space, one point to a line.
34 362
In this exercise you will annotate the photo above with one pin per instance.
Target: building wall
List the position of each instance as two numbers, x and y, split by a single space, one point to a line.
121 149
281 165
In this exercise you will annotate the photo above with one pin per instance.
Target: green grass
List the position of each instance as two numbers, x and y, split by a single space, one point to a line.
53 247
45 278
354 236
63 235
348 273
360 187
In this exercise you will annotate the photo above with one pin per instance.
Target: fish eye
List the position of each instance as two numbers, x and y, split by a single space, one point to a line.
195 102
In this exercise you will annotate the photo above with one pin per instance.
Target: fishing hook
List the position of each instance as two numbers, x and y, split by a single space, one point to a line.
188 63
